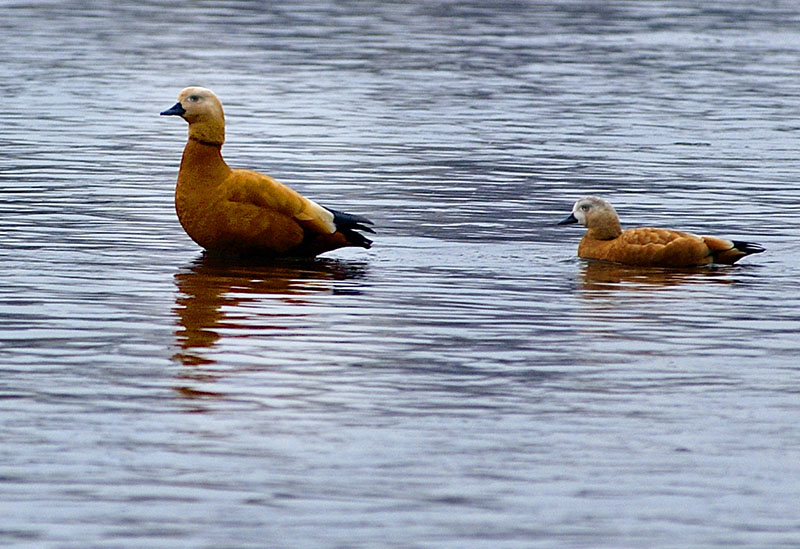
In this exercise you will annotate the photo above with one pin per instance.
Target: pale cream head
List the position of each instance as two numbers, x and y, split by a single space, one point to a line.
598 216
203 111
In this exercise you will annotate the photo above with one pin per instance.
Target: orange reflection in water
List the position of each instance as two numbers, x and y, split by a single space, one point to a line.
601 275
213 291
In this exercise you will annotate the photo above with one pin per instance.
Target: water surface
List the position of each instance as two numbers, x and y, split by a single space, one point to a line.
468 382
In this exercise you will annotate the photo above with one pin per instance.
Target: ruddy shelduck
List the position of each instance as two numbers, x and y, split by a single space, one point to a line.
242 211
646 246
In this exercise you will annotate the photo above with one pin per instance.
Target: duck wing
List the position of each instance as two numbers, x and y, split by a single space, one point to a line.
260 190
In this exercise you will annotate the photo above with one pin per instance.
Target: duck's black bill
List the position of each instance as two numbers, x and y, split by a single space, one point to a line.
175 109
567 221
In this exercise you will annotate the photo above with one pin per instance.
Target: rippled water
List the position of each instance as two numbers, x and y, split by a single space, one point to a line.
468 382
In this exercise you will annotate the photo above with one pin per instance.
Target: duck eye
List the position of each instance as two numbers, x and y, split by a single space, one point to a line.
585 207
194 98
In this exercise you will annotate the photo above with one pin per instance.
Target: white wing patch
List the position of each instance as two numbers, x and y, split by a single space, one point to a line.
317 214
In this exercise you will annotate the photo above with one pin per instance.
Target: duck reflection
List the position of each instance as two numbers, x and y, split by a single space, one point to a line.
213 294
601 275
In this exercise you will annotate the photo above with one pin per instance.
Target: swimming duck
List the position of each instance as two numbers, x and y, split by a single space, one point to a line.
242 211
647 246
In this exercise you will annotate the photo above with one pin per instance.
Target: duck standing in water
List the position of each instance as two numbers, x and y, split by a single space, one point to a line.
245 212
646 246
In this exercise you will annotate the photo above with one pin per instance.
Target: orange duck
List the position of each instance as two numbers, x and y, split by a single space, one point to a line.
646 246
242 211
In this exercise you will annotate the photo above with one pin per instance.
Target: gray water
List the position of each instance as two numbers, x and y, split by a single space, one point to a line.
467 382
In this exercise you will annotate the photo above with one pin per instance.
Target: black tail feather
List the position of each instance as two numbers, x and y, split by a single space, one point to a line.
351 221
748 247
348 224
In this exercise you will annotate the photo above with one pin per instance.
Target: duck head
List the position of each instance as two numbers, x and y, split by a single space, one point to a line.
597 215
202 109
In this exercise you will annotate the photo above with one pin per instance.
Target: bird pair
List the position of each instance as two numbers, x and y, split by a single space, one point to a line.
247 213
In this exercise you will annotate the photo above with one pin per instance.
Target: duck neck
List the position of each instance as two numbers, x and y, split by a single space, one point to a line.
608 231
208 130
202 163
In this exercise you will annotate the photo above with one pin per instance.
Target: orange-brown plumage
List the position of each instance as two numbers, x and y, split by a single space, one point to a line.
646 246
242 211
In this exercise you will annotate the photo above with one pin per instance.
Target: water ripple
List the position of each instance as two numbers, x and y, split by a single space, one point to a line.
466 382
